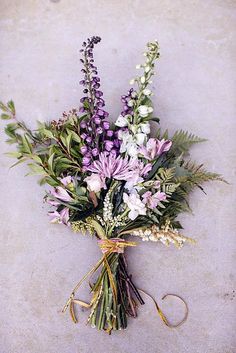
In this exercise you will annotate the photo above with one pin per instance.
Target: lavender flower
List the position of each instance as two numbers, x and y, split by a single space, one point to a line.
109 166
95 131
154 148
60 217
152 200
128 102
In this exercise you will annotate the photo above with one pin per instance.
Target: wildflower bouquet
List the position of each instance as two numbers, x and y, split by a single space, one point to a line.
112 181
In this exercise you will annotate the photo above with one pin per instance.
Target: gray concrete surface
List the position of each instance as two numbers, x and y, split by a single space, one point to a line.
195 90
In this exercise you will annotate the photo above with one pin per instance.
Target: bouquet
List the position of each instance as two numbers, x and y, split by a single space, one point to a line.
111 180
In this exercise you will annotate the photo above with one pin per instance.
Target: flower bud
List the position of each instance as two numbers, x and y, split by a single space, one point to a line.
86 161
95 152
108 145
83 149
110 133
106 125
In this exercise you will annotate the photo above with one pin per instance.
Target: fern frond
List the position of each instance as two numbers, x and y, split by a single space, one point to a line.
183 140
197 174
166 175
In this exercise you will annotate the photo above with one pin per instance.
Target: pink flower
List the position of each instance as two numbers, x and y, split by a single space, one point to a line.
67 180
137 171
151 201
109 166
140 167
60 193
95 182
60 217
155 148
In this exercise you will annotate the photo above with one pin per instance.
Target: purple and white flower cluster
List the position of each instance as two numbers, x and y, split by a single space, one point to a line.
124 152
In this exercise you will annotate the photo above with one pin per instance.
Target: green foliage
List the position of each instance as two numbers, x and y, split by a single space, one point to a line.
51 150
182 141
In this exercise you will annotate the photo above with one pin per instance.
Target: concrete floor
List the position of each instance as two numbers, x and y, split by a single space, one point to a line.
195 90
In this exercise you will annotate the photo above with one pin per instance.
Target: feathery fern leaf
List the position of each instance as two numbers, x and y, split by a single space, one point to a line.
183 140
197 175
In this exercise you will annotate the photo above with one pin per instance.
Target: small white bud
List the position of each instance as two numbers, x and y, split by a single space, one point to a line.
130 103
147 92
142 79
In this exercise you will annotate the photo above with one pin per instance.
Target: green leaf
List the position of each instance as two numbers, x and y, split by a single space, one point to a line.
36 158
10 129
50 163
182 141
5 117
21 160
150 118
13 154
36 169
98 228
75 136
27 147
48 180
11 106
3 107
68 141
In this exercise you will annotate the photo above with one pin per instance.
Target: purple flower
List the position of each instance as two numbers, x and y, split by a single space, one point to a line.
110 133
109 166
88 139
106 125
83 125
152 200
60 217
108 145
128 102
97 120
86 161
95 152
60 193
99 130
83 149
154 148
83 136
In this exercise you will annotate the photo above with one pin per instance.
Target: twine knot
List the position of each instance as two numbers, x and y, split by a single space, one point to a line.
116 245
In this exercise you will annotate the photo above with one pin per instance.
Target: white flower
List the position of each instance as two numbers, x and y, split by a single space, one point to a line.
145 128
131 82
144 110
138 66
142 79
134 204
95 182
128 143
121 121
134 129
133 182
140 138
130 103
147 92
132 149
126 139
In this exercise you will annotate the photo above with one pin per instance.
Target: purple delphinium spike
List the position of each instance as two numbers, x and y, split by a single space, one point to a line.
128 102
95 131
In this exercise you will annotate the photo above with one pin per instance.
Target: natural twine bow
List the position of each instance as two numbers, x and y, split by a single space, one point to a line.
109 246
